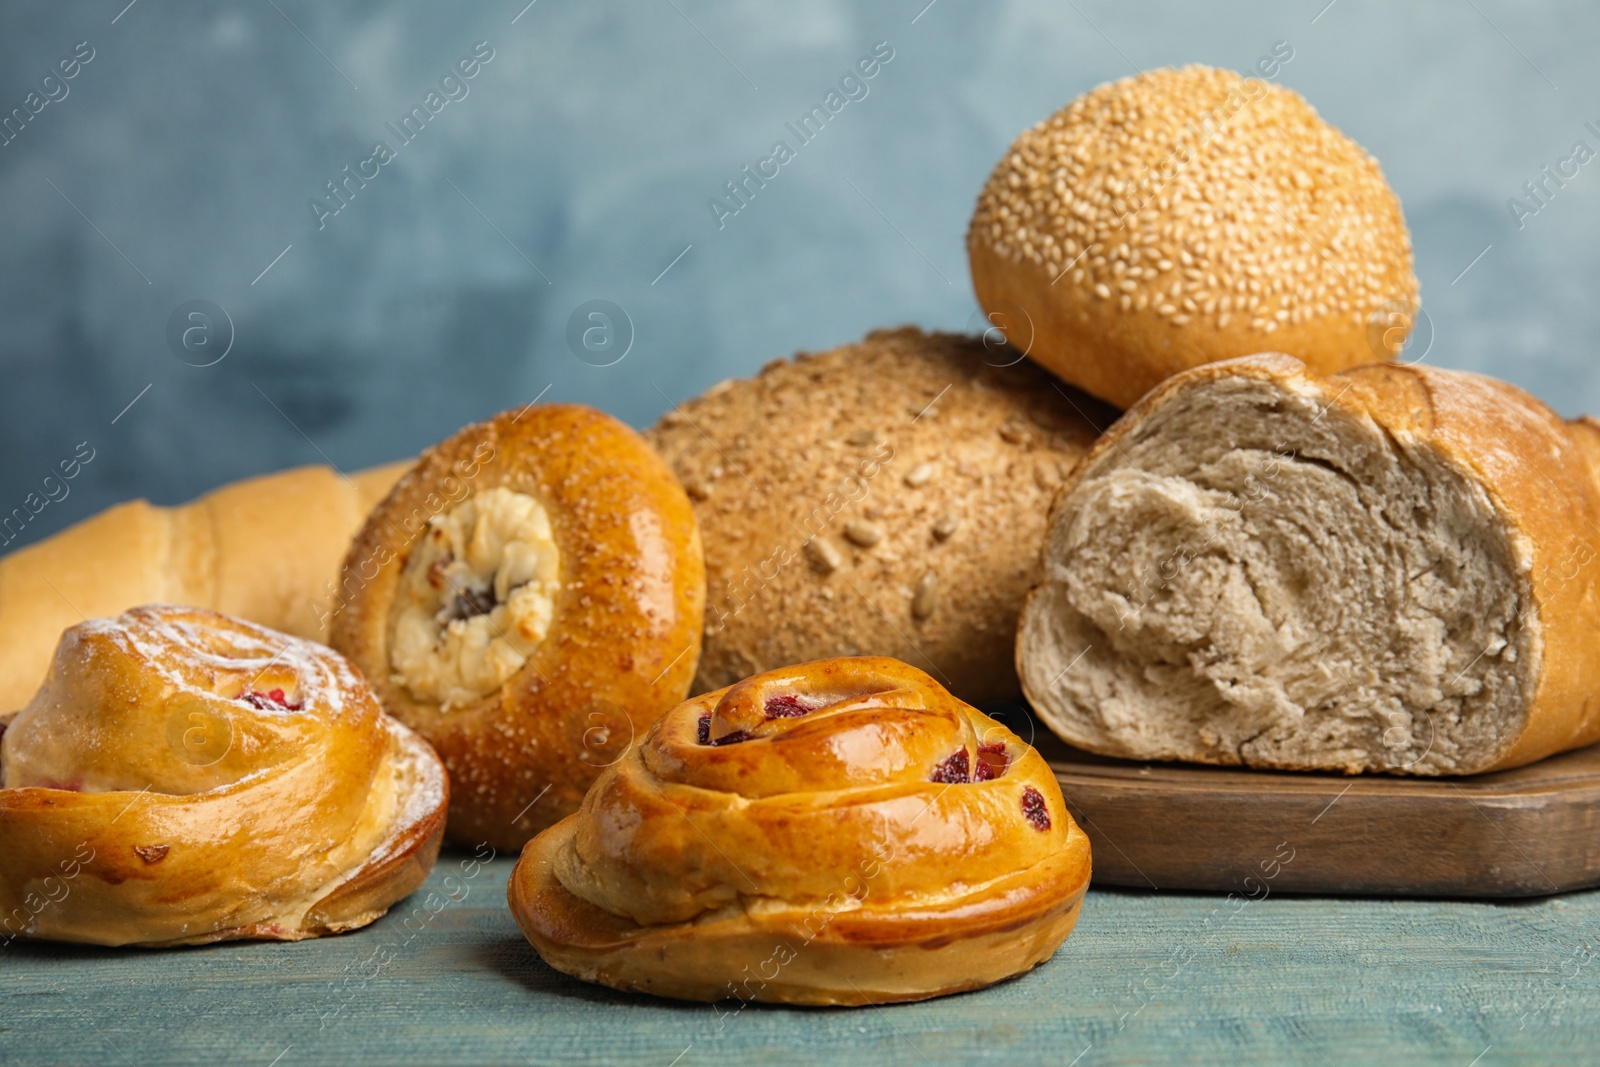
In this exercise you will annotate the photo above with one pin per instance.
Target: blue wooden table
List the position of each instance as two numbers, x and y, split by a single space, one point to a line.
1146 978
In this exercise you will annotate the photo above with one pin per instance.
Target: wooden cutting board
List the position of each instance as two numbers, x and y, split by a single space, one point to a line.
1523 833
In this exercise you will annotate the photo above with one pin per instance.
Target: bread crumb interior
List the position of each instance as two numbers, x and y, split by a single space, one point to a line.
1254 577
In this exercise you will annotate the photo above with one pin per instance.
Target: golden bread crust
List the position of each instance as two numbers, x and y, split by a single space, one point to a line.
263 549
839 832
1541 476
624 639
184 778
1184 216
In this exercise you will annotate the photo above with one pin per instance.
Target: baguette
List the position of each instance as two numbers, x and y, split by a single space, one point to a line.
262 549
1388 569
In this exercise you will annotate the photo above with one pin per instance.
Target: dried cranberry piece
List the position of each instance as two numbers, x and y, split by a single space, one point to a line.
1034 808
703 733
271 700
992 762
953 771
787 706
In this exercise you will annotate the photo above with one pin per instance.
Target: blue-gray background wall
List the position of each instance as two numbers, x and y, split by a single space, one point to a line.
180 162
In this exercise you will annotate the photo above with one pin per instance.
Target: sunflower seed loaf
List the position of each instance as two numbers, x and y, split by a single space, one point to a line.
886 498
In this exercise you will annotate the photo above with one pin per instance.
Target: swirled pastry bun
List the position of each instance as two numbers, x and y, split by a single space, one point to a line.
529 598
841 832
183 777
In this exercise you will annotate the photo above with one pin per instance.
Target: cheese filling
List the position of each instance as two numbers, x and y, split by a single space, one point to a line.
477 596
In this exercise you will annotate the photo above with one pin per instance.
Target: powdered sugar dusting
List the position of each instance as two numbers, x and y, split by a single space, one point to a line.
189 649
396 783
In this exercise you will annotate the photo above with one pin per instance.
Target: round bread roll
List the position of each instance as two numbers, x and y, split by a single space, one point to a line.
528 598
884 498
842 832
1185 216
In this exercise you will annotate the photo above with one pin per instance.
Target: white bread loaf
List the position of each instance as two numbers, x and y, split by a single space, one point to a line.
1387 569
265 549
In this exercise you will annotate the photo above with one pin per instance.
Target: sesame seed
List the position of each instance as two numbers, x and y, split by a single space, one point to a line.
1271 203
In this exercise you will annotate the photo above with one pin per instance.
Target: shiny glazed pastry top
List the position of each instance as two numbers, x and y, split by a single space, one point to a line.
529 598
839 832
183 777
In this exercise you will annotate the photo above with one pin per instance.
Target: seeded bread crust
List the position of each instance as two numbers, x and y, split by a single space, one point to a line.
1184 216
882 498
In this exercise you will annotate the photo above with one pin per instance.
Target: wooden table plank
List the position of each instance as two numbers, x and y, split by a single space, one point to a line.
1531 831
1146 978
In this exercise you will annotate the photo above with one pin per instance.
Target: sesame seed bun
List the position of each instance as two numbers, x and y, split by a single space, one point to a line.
885 498
1181 217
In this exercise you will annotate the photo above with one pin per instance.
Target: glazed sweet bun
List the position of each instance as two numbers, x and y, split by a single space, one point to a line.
1184 216
529 598
183 777
840 832
884 498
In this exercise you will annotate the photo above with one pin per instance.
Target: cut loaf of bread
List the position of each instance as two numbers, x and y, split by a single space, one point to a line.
1387 569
